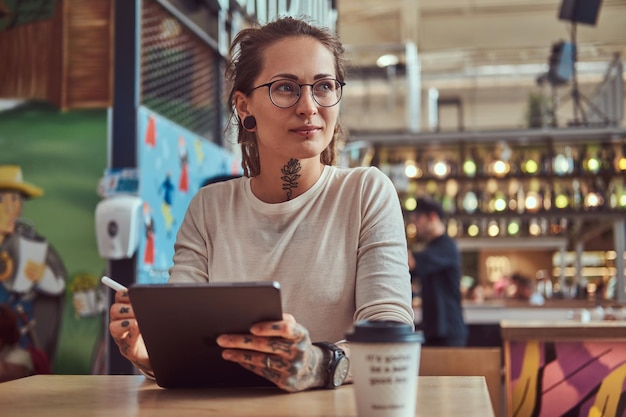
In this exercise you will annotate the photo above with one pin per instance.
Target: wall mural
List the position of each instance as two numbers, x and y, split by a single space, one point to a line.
49 263
173 165
568 378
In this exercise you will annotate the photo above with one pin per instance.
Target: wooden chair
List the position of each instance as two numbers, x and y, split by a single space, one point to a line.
467 361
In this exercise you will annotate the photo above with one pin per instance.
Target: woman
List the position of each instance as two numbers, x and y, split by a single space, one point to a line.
333 237
15 362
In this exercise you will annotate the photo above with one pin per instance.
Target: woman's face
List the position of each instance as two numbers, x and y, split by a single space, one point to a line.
304 130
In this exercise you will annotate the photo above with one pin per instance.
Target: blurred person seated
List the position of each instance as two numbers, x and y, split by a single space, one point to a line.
472 290
15 361
525 290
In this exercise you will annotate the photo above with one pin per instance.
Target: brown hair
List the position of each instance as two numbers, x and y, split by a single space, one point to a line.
9 332
246 62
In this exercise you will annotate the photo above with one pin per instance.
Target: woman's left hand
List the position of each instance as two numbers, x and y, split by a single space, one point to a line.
279 351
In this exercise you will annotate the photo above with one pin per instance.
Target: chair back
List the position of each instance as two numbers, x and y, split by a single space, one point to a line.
467 361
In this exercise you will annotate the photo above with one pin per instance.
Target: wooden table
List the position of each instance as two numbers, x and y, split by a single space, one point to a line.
130 395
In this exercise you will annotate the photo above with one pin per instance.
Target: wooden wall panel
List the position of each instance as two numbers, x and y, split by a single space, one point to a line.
88 40
30 60
66 60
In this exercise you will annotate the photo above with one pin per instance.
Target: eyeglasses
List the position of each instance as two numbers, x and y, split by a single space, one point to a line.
286 93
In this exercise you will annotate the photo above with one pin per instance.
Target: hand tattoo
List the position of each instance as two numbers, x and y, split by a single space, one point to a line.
290 176
279 345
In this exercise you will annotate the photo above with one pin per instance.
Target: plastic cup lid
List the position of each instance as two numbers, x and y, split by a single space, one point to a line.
384 332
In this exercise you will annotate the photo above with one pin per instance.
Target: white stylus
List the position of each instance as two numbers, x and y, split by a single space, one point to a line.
114 285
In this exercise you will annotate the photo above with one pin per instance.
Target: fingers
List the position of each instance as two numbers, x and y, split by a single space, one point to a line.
288 328
279 351
279 337
121 296
124 329
275 368
121 310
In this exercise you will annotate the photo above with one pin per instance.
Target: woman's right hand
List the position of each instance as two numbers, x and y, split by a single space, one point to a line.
125 332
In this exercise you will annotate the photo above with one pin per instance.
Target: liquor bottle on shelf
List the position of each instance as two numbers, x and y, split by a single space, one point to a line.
450 194
577 198
473 229
516 162
570 159
579 162
533 202
513 187
454 228
440 168
613 196
555 228
601 187
620 193
470 201
591 164
430 165
561 199
563 162
521 198
530 166
410 203
607 158
499 202
487 200
493 228
472 166
534 229
412 169
545 162
547 197
592 199
499 168
513 228
620 160
453 163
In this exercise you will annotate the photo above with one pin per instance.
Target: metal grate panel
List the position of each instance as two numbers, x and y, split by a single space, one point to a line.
179 73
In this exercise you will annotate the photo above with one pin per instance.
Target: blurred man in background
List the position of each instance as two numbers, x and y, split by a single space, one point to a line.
438 270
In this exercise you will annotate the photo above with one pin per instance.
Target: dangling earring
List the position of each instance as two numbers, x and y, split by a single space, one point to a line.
249 122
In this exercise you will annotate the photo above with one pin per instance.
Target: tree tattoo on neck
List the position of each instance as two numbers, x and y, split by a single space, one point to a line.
290 176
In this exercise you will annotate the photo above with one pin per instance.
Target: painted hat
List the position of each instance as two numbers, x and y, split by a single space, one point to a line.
11 179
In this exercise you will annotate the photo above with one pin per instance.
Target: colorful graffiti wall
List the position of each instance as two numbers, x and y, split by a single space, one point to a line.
173 165
574 379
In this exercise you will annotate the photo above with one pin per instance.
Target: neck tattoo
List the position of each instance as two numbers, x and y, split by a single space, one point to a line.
290 176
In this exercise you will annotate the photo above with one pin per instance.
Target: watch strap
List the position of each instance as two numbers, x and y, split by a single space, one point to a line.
332 356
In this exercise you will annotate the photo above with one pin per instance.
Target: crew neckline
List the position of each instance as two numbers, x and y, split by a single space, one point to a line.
299 201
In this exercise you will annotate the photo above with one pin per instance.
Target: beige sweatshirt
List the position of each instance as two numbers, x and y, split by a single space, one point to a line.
339 250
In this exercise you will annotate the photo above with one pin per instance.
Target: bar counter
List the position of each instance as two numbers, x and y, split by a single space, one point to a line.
132 396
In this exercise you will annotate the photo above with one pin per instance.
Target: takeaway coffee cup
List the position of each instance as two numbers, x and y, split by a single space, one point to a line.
384 359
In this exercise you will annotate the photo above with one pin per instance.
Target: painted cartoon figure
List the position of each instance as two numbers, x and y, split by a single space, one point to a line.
32 275
167 188
183 183
148 256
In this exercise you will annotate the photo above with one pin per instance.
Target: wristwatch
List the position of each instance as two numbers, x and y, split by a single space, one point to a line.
338 364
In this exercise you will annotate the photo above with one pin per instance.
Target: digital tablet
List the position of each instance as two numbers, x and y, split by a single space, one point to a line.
181 322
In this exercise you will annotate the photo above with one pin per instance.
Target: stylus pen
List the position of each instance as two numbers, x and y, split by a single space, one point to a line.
114 285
